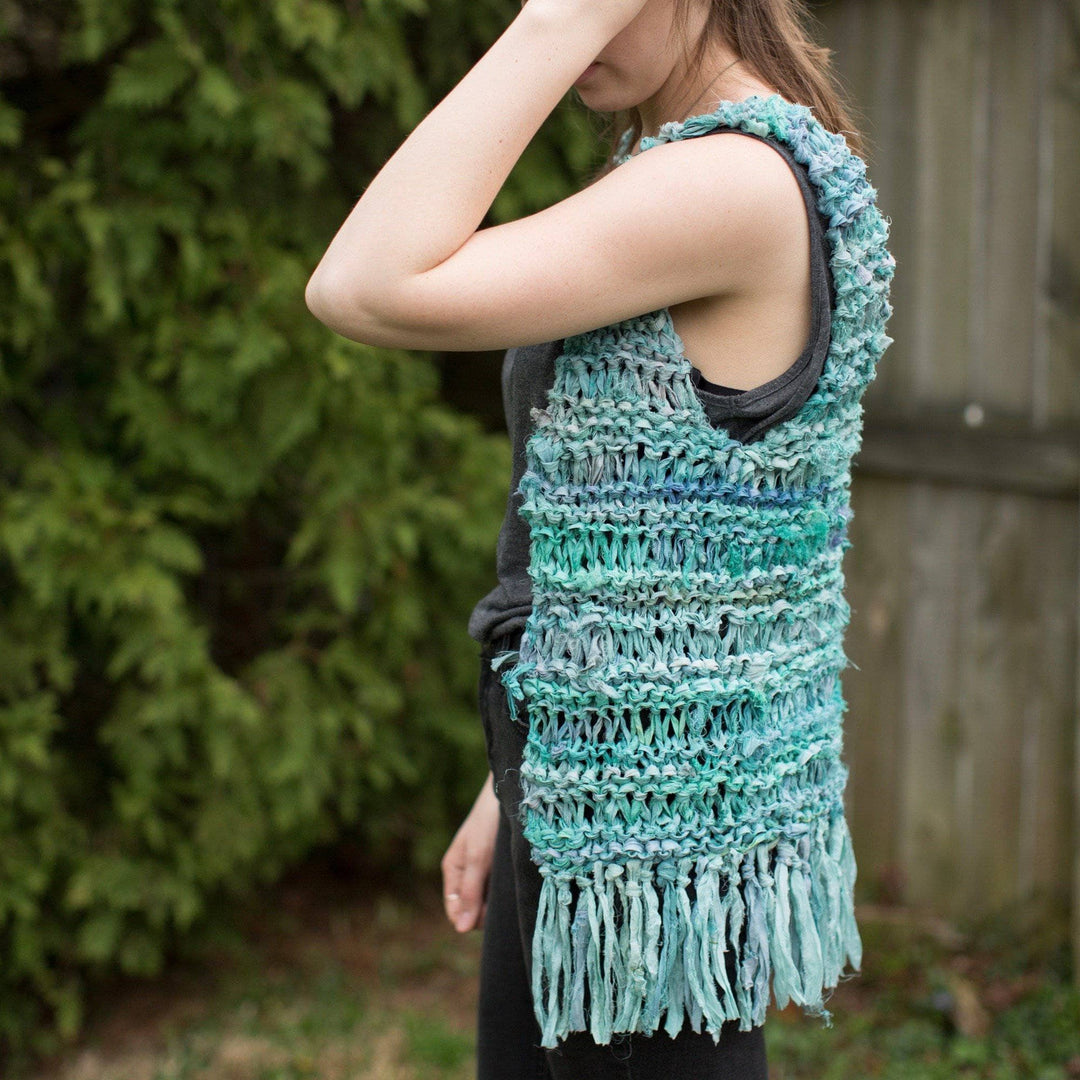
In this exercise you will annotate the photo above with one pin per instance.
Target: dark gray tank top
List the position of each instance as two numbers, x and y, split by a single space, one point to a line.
528 373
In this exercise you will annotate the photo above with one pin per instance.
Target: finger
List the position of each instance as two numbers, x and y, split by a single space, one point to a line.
452 874
471 890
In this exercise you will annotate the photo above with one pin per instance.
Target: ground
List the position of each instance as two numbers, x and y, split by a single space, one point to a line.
351 977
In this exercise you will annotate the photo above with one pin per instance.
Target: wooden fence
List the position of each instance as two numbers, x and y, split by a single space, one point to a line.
963 737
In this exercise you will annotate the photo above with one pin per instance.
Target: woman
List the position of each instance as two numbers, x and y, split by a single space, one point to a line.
662 827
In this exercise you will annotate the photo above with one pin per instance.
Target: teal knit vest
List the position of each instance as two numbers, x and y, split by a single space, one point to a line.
682 782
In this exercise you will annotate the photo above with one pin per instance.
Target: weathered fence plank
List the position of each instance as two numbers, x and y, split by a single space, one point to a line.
964 733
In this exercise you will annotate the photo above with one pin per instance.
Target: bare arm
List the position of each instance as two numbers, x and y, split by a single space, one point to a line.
433 193
410 267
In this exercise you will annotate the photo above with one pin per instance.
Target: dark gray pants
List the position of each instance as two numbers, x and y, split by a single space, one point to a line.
508 1036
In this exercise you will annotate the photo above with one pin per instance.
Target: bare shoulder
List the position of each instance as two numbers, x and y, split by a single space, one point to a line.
731 146
733 189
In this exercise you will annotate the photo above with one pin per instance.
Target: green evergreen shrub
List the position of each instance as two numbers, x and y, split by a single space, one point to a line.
237 553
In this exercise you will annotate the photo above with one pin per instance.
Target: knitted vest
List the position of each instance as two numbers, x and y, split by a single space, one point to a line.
682 782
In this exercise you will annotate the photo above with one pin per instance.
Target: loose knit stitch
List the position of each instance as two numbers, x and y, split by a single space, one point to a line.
682 782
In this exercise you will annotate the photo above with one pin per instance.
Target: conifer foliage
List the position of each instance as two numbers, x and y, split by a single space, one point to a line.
237 552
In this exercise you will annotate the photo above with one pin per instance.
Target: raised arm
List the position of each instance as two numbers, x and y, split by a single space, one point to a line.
410 267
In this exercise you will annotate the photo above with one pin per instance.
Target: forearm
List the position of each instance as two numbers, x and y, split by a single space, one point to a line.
433 193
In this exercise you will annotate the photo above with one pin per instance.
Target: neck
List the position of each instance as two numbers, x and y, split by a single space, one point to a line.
720 77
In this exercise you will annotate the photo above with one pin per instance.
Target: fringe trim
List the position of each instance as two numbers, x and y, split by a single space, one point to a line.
641 947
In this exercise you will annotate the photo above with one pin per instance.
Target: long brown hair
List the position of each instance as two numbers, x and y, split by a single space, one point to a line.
771 39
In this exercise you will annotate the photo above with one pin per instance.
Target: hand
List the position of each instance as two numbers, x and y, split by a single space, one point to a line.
466 866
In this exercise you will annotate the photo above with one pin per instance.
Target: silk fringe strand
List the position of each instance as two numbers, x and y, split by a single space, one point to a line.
787 911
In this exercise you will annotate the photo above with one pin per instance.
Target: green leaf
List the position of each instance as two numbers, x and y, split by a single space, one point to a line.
148 77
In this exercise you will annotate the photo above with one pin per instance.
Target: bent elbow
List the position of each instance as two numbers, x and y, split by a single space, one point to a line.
389 321
315 298
341 311
327 301
313 294
374 322
323 300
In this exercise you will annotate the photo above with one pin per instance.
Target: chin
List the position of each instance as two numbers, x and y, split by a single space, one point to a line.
597 100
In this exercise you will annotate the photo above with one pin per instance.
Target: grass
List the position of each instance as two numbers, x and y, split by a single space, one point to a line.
332 977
